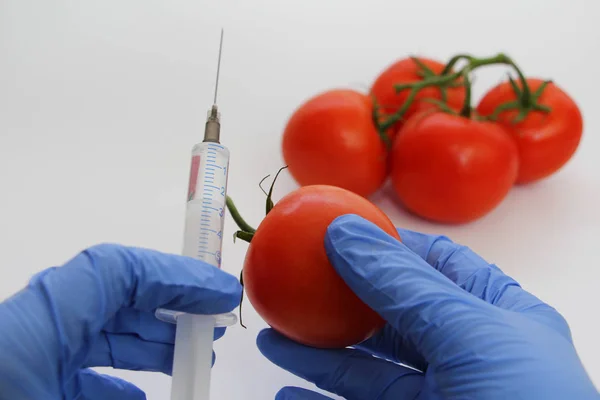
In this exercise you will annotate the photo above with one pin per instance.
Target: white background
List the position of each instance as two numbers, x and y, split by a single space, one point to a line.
101 101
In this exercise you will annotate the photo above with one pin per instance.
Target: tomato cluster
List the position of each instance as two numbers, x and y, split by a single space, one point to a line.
448 162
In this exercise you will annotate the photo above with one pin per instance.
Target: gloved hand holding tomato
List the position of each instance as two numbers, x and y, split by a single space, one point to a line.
447 162
456 327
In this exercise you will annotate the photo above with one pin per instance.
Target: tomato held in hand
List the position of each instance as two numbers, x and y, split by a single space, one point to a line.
332 140
452 169
408 71
289 280
546 141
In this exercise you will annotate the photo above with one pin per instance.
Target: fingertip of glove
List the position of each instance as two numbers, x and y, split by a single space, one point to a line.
277 348
351 237
344 222
269 344
233 290
344 229
293 393
223 289
265 339
351 227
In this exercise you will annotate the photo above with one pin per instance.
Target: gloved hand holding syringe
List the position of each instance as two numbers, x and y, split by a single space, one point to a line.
203 238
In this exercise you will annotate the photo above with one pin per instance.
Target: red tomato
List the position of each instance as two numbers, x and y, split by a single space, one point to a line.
288 277
332 140
407 71
452 169
546 141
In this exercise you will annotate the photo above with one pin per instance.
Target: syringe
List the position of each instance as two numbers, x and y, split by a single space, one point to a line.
203 238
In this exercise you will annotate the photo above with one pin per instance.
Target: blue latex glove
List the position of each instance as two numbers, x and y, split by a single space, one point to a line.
474 331
98 310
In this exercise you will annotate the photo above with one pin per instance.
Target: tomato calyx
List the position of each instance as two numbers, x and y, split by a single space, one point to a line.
246 231
525 103
526 100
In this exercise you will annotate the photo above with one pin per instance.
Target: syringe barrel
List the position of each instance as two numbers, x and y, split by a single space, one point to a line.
205 211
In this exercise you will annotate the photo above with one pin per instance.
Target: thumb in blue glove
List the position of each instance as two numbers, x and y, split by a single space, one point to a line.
466 329
98 310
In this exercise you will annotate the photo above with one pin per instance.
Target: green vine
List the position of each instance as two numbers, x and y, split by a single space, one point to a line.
526 100
466 108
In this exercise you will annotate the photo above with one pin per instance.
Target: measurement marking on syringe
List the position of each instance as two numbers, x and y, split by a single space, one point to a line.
213 165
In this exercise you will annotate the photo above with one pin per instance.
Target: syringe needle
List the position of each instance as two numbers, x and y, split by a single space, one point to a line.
218 67
212 130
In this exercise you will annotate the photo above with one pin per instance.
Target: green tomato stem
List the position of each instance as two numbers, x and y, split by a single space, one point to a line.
453 62
466 109
245 236
235 214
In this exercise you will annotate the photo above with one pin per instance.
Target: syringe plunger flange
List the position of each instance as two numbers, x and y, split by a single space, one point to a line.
212 131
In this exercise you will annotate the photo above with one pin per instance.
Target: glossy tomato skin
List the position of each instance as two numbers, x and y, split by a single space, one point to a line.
451 169
288 277
407 71
546 141
331 140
